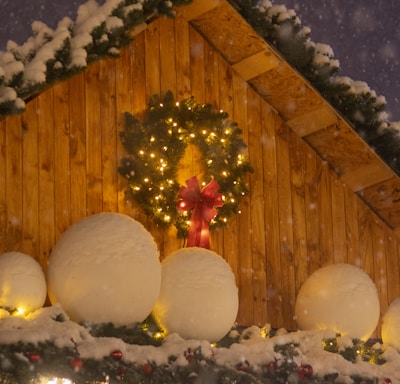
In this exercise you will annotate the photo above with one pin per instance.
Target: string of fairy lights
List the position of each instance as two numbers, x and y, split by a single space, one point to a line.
156 145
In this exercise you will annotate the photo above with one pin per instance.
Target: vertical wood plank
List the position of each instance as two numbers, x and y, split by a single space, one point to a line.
94 186
325 215
365 231
197 52
297 166
168 73
351 209
152 57
338 221
62 172
378 257
77 147
392 265
109 137
30 198
257 244
311 206
124 102
182 52
232 250
286 226
3 186
46 175
245 262
270 122
14 137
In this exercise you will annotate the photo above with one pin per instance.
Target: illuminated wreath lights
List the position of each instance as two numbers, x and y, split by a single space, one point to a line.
156 145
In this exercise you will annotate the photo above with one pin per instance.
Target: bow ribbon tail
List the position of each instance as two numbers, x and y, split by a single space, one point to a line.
199 234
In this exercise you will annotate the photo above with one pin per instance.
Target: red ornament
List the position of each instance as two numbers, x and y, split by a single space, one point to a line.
243 367
116 355
147 369
203 203
76 364
272 366
121 373
33 357
189 354
306 370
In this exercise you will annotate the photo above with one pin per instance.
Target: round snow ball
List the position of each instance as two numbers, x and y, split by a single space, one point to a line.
105 268
198 297
391 324
22 283
340 297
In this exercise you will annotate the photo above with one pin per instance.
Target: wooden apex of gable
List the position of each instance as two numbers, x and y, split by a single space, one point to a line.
197 8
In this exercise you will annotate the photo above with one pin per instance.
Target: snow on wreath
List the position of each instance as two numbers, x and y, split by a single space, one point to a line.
157 144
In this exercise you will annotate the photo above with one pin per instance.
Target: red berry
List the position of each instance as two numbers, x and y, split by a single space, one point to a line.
147 369
76 364
116 355
306 370
272 366
33 357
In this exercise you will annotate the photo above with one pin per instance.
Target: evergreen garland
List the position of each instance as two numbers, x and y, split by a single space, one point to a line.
22 363
156 145
364 110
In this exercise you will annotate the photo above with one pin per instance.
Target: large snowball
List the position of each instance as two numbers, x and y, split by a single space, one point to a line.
391 324
340 297
199 297
22 283
105 268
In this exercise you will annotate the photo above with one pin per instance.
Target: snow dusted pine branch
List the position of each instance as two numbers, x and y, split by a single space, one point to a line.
100 30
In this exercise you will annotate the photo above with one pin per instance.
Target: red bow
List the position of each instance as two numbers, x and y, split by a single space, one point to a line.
203 203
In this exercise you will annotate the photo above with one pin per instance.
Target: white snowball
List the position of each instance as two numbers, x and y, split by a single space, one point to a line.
340 297
391 324
198 297
22 282
105 268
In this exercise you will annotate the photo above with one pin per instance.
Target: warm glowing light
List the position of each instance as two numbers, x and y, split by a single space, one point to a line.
152 155
54 380
21 311
224 173
152 139
167 218
141 152
158 335
146 180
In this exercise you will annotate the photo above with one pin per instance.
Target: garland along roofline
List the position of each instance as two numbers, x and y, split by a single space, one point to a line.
157 144
365 111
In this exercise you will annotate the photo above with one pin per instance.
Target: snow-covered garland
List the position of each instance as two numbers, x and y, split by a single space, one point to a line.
157 144
46 347
315 61
52 55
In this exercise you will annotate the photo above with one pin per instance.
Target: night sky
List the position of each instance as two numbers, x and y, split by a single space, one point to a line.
364 34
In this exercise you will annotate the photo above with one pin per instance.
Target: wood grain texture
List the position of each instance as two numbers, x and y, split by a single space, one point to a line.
59 161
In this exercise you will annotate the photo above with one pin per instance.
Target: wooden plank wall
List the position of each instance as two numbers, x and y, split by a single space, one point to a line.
58 164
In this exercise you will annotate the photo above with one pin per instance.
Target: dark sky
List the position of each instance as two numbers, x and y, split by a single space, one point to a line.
364 34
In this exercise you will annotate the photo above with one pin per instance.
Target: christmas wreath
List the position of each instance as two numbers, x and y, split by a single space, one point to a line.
157 144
